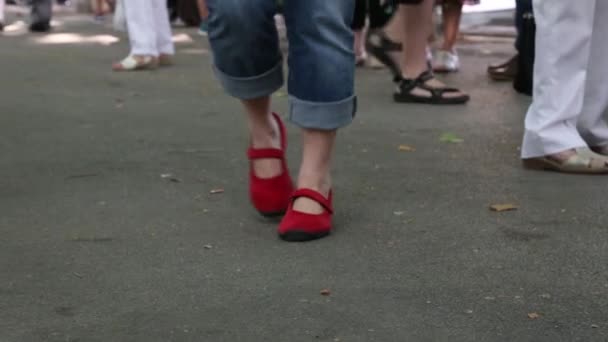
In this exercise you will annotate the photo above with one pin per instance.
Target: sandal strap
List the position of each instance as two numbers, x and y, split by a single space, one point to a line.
315 196
407 85
264 153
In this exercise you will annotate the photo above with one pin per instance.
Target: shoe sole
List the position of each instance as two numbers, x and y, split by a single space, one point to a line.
301 236
431 101
272 214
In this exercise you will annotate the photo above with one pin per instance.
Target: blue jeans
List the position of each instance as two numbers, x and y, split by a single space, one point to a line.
521 7
248 61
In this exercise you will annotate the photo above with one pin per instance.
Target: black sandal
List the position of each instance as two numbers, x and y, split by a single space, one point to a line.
405 93
379 46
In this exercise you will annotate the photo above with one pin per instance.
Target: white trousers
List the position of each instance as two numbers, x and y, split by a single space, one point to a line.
149 27
570 103
1 11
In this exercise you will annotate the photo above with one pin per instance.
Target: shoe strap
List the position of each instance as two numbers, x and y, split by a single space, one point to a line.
315 196
265 153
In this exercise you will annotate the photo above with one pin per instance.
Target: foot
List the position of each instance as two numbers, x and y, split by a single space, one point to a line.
135 62
270 185
427 89
446 61
581 160
307 205
267 167
300 226
505 71
361 59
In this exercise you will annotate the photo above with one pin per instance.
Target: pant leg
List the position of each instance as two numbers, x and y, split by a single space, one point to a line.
321 63
521 7
360 15
141 24
164 39
1 11
245 46
593 123
563 46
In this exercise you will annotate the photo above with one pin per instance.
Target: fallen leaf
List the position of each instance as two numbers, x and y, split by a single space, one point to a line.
207 246
119 103
406 148
450 138
533 315
325 292
216 191
398 213
594 326
503 207
170 178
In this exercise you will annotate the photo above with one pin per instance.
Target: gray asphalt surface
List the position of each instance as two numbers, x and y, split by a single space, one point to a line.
95 245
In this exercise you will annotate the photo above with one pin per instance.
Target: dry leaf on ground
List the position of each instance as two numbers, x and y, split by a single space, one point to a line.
325 292
406 148
533 315
503 207
216 191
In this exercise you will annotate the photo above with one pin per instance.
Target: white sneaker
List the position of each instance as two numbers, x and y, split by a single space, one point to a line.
446 61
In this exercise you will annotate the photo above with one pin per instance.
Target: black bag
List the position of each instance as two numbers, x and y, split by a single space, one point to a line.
524 79
42 11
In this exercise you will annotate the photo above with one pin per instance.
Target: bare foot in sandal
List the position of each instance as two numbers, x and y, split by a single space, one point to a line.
427 89
580 160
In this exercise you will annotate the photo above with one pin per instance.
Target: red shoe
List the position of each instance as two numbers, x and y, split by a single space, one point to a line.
270 196
298 226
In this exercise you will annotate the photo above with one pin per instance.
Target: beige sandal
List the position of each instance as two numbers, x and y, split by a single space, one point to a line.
132 63
584 161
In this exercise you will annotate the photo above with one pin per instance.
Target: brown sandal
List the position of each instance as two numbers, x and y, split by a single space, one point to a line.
584 161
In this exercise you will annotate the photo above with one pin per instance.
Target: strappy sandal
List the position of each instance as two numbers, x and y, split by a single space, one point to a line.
584 161
130 63
405 92
380 46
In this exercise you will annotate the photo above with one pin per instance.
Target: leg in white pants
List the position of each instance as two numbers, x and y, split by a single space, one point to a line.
164 39
148 25
563 48
593 123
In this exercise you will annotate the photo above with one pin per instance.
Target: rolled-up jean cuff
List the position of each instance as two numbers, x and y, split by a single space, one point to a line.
322 115
247 88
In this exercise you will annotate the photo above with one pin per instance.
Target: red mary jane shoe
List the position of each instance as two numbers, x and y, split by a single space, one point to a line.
298 226
271 196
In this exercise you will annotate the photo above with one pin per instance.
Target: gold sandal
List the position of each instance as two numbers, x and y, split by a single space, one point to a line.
584 161
131 63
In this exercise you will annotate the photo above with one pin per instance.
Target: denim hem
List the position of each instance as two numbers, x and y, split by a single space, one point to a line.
322 115
247 88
